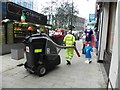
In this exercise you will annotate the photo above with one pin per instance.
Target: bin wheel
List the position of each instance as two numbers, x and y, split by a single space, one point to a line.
41 70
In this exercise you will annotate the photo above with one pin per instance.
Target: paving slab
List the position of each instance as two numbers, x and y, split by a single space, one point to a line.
77 75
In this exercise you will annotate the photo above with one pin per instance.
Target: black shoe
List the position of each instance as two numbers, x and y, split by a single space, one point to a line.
83 52
90 61
68 62
96 54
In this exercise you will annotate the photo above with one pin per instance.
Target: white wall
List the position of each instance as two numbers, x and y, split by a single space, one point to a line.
103 32
118 81
100 32
119 46
114 60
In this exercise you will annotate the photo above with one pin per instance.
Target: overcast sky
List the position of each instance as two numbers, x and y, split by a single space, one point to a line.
85 7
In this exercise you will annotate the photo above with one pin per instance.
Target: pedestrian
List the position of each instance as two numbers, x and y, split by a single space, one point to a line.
94 40
89 34
97 40
83 42
69 40
88 49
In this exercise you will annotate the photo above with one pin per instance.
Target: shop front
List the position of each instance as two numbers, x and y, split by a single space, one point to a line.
14 31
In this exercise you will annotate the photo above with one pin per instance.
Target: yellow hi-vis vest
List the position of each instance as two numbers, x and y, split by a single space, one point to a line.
69 39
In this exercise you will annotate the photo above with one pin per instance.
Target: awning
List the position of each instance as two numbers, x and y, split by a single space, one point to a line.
33 24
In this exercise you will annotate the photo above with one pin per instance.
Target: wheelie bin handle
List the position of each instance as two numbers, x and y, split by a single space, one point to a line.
60 46
63 47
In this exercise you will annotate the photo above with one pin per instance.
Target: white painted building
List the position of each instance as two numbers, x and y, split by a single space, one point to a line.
108 17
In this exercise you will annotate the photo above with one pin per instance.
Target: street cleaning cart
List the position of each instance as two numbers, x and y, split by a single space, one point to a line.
41 53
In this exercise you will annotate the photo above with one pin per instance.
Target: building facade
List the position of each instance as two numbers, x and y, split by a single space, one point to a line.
79 24
15 31
107 25
30 4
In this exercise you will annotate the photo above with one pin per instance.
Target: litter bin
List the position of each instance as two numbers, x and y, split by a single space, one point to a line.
17 54
41 54
17 51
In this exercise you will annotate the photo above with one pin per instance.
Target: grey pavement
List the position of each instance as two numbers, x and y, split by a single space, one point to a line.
76 75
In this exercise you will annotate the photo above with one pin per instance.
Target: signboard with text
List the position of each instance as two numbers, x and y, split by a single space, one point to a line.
92 17
14 12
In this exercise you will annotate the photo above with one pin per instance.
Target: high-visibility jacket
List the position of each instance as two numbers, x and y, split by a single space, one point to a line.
69 39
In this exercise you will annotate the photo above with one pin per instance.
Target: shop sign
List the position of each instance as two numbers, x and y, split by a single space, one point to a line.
31 16
92 17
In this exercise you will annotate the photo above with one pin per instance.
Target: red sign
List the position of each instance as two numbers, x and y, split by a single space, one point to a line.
59 33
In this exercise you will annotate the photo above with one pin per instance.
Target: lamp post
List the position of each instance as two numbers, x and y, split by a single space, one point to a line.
72 17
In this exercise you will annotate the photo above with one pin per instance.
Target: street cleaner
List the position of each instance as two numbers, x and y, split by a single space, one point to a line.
69 40
39 52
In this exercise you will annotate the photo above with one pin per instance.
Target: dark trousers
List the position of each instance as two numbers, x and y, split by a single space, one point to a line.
83 49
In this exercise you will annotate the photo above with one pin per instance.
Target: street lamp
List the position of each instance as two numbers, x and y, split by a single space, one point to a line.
72 16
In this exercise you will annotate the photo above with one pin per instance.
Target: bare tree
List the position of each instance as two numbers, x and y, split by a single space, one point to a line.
66 13
62 13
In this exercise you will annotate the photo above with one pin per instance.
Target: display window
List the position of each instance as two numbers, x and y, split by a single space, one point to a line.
21 31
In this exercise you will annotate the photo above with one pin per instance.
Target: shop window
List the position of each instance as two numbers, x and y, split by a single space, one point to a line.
2 33
10 33
111 27
21 31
